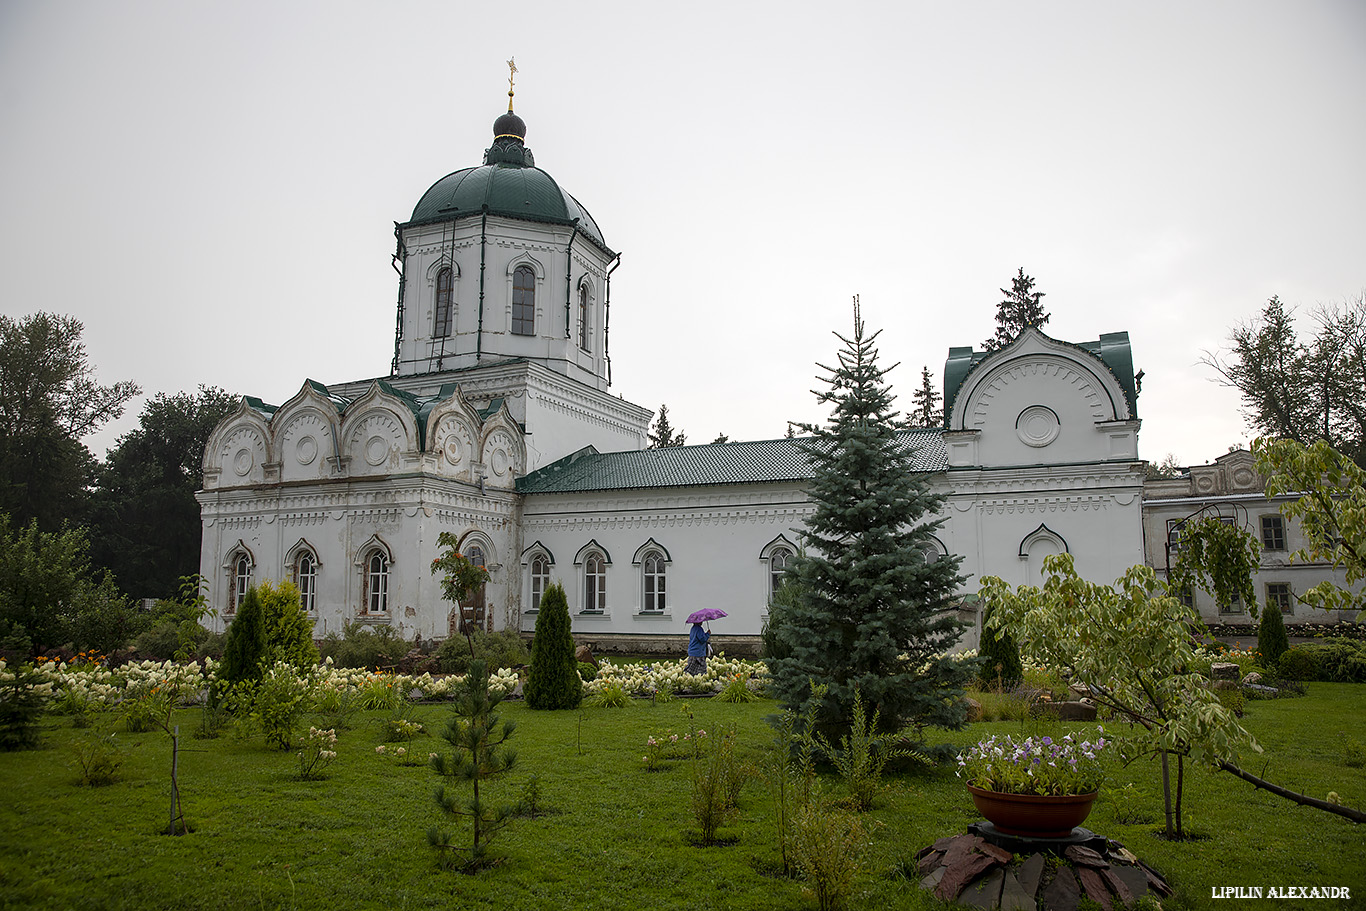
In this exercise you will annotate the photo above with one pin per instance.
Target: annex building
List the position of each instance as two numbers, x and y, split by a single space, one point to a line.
496 423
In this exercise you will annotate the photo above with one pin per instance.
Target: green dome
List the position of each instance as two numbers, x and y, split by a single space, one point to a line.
509 184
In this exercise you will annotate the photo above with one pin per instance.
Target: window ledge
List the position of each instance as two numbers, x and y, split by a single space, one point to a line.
372 618
594 614
654 614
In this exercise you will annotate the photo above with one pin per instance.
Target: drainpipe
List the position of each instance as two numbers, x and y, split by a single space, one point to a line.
568 267
483 241
400 256
607 317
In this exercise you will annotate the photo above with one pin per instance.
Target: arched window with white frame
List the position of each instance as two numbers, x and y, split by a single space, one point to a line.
595 583
778 560
524 301
306 580
241 580
376 590
540 579
653 573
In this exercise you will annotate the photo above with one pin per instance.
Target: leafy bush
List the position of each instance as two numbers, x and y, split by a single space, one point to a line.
610 695
99 759
365 647
862 756
1333 660
716 783
504 648
553 681
587 672
829 847
1354 752
1001 668
279 702
362 646
1272 640
737 689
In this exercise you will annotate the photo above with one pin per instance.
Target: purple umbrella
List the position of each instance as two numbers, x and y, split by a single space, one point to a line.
706 613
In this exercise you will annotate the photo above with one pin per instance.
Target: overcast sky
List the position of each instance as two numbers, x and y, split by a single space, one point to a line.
212 189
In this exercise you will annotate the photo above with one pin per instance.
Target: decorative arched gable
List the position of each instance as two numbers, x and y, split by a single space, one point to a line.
305 435
502 449
477 538
238 449
1040 401
453 436
378 430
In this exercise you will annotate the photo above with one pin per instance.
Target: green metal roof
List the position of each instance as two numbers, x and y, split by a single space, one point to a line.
1111 349
507 184
763 461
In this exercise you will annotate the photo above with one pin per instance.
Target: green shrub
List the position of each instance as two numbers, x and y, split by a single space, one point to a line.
587 673
1272 640
99 759
611 695
1354 752
829 848
363 647
278 704
504 648
1001 668
289 632
553 681
717 781
737 689
245 647
1333 660
21 706
789 593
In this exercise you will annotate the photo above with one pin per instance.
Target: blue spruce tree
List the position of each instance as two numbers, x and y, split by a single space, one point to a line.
873 615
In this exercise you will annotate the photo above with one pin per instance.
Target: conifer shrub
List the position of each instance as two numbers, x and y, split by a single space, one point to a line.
245 648
1272 640
553 682
289 632
1001 668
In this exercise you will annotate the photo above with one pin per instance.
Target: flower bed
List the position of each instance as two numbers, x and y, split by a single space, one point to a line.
1036 765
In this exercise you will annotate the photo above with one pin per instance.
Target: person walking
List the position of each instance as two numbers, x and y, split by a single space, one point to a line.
698 641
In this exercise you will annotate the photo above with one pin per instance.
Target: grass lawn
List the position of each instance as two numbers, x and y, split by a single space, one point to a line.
621 837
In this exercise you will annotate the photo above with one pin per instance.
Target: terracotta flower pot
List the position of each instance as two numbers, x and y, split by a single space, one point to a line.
1033 815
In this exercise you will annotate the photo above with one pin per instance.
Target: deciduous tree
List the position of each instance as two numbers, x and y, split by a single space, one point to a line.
49 402
1302 388
144 510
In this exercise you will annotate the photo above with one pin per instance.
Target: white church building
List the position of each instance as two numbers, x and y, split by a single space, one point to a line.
496 423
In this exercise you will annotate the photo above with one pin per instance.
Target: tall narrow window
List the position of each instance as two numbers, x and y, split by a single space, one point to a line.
241 582
523 301
777 569
445 280
540 578
1273 533
652 568
595 584
306 578
583 317
377 584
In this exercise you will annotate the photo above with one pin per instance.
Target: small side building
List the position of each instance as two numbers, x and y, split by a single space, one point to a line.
1231 489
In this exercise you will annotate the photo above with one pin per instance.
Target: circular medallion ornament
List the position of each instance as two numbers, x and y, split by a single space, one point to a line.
1243 477
499 462
454 450
306 450
1037 426
376 450
242 462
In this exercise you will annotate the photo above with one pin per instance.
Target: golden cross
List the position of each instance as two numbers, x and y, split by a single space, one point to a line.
512 71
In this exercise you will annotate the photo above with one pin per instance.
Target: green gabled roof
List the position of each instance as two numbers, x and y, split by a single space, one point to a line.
763 461
1111 349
